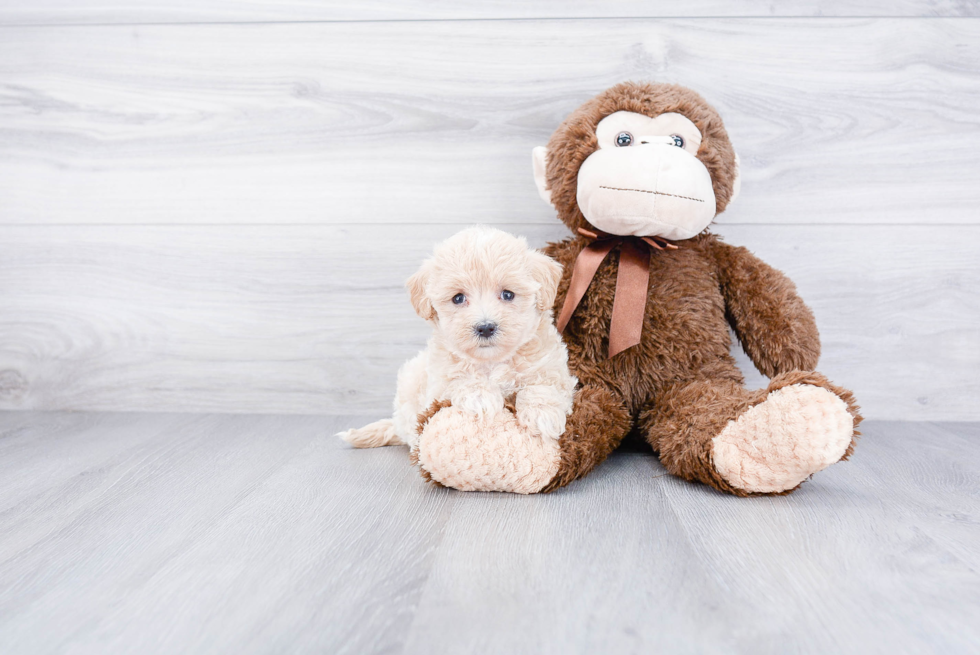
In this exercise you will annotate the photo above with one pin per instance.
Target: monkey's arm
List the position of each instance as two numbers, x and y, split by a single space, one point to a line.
773 324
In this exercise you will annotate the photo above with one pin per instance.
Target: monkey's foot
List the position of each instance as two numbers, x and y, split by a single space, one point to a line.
461 452
774 446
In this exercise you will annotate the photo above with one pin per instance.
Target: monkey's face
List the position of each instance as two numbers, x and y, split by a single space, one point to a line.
645 178
639 159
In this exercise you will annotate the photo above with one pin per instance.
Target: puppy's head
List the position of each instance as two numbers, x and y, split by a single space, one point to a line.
485 292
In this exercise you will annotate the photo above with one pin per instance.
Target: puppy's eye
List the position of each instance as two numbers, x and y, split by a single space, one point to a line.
678 140
506 295
624 139
459 299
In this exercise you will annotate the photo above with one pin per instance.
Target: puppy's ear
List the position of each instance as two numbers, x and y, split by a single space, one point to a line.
416 292
546 272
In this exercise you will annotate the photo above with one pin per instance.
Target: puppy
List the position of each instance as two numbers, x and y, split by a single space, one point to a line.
488 298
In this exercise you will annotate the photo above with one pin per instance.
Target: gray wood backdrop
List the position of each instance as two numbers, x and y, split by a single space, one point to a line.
211 206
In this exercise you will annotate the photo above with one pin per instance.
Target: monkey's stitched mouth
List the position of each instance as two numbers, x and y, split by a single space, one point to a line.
658 193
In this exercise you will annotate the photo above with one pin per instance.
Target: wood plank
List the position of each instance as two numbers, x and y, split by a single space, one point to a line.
939 464
181 458
630 562
602 566
239 533
256 534
308 319
966 430
838 121
817 566
39 453
68 12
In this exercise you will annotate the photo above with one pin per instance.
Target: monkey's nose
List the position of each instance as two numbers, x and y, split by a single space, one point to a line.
485 330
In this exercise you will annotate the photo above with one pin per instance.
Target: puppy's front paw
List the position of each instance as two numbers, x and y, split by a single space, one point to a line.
483 403
549 422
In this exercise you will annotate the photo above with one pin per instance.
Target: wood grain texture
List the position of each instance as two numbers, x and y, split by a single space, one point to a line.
29 479
262 534
177 522
837 121
69 12
308 319
218 217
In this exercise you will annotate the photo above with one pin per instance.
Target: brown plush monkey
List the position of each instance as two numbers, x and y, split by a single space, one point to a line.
638 173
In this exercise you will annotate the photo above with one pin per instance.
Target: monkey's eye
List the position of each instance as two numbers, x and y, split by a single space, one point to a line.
624 139
459 299
678 140
506 295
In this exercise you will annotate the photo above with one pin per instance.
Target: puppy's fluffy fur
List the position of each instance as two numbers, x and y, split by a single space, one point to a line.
459 290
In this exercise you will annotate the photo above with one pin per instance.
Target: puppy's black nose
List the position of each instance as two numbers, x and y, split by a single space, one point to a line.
485 330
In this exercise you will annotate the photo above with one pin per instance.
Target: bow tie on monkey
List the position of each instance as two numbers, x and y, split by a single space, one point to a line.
642 186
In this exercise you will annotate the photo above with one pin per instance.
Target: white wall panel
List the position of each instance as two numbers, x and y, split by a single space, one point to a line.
836 120
218 217
314 318
89 12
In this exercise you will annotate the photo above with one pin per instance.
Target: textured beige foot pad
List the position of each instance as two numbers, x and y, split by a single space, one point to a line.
797 431
460 452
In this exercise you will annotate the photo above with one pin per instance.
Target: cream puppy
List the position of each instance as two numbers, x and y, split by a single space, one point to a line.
488 297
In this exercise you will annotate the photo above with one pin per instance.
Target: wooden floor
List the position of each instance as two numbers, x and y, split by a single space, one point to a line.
175 533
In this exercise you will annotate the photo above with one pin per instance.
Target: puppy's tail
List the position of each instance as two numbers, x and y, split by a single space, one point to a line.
379 433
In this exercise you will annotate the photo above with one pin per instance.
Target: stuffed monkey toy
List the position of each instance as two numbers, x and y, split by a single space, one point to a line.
638 174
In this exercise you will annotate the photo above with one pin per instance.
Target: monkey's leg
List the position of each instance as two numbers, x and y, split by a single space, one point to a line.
457 451
596 426
752 442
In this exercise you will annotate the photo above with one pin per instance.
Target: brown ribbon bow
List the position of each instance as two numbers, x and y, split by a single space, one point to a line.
632 282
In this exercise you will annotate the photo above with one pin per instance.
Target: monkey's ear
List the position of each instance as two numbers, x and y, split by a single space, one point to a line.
416 292
547 273
539 159
737 184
